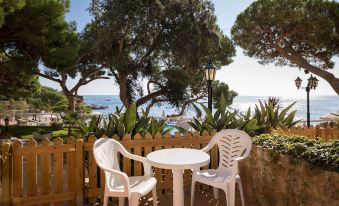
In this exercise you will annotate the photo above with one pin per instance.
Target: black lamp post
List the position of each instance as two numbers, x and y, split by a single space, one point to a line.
210 71
6 123
312 83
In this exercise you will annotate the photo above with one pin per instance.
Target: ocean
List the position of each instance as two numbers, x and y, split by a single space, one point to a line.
319 105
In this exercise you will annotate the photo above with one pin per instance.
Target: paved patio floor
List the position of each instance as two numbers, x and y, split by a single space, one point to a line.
202 198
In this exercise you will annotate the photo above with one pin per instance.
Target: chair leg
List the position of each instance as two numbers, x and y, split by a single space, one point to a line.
192 192
105 200
227 195
216 193
133 200
154 194
241 192
231 193
121 201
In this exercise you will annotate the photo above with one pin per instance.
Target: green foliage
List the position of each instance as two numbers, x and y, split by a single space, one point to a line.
127 123
8 7
159 56
72 119
270 115
86 109
218 89
94 127
48 99
267 115
223 118
121 123
57 126
17 85
317 152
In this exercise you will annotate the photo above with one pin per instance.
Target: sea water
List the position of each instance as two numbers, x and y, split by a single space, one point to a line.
319 105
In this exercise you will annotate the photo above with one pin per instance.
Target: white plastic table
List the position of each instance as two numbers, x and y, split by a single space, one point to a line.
177 160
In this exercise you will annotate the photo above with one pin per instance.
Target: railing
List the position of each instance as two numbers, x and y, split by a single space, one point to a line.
65 172
312 132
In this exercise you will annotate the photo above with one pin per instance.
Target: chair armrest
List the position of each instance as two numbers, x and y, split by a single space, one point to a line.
147 166
239 159
207 148
123 176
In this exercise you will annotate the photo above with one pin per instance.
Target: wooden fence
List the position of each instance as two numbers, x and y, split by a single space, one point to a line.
312 132
65 172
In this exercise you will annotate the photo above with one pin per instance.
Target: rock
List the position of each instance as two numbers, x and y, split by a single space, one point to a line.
97 106
38 136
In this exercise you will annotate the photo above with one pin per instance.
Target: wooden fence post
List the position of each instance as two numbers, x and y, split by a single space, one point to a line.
79 177
6 172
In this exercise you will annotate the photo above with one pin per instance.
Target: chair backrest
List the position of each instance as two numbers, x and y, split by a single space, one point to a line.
105 152
232 143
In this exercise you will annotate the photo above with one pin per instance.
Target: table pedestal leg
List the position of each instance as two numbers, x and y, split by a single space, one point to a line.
178 188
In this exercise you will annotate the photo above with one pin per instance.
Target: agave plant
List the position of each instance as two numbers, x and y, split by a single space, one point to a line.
270 115
94 128
127 123
248 123
223 118
266 116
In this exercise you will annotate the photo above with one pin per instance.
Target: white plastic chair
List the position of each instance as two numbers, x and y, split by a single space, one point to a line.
233 145
118 184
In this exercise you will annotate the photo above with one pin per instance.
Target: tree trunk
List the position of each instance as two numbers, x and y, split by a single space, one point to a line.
328 76
123 89
71 102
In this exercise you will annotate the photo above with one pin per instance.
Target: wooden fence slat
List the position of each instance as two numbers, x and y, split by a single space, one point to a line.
71 163
79 177
45 170
17 171
92 169
137 151
167 174
31 170
127 161
312 132
6 174
158 171
58 169
148 148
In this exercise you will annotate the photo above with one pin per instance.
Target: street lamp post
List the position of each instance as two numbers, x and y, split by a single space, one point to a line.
312 83
210 71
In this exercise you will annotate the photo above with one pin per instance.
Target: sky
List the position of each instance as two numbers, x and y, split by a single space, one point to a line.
245 75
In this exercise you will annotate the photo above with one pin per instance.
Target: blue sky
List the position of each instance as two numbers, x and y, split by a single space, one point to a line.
244 75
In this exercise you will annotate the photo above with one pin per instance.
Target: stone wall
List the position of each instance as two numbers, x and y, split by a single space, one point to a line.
271 179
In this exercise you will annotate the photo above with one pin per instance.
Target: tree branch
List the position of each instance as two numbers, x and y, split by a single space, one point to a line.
148 97
47 77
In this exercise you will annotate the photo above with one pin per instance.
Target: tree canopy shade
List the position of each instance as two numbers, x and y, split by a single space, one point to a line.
220 88
298 33
36 40
48 99
163 42
9 6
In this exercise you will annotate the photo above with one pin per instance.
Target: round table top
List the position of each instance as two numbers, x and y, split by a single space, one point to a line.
178 158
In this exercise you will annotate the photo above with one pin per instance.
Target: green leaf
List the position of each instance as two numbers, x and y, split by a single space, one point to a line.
284 111
209 116
197 111
222 104
130 117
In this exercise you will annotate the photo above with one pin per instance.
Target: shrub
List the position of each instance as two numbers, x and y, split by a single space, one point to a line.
124 122
317 152
267 115
57 126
